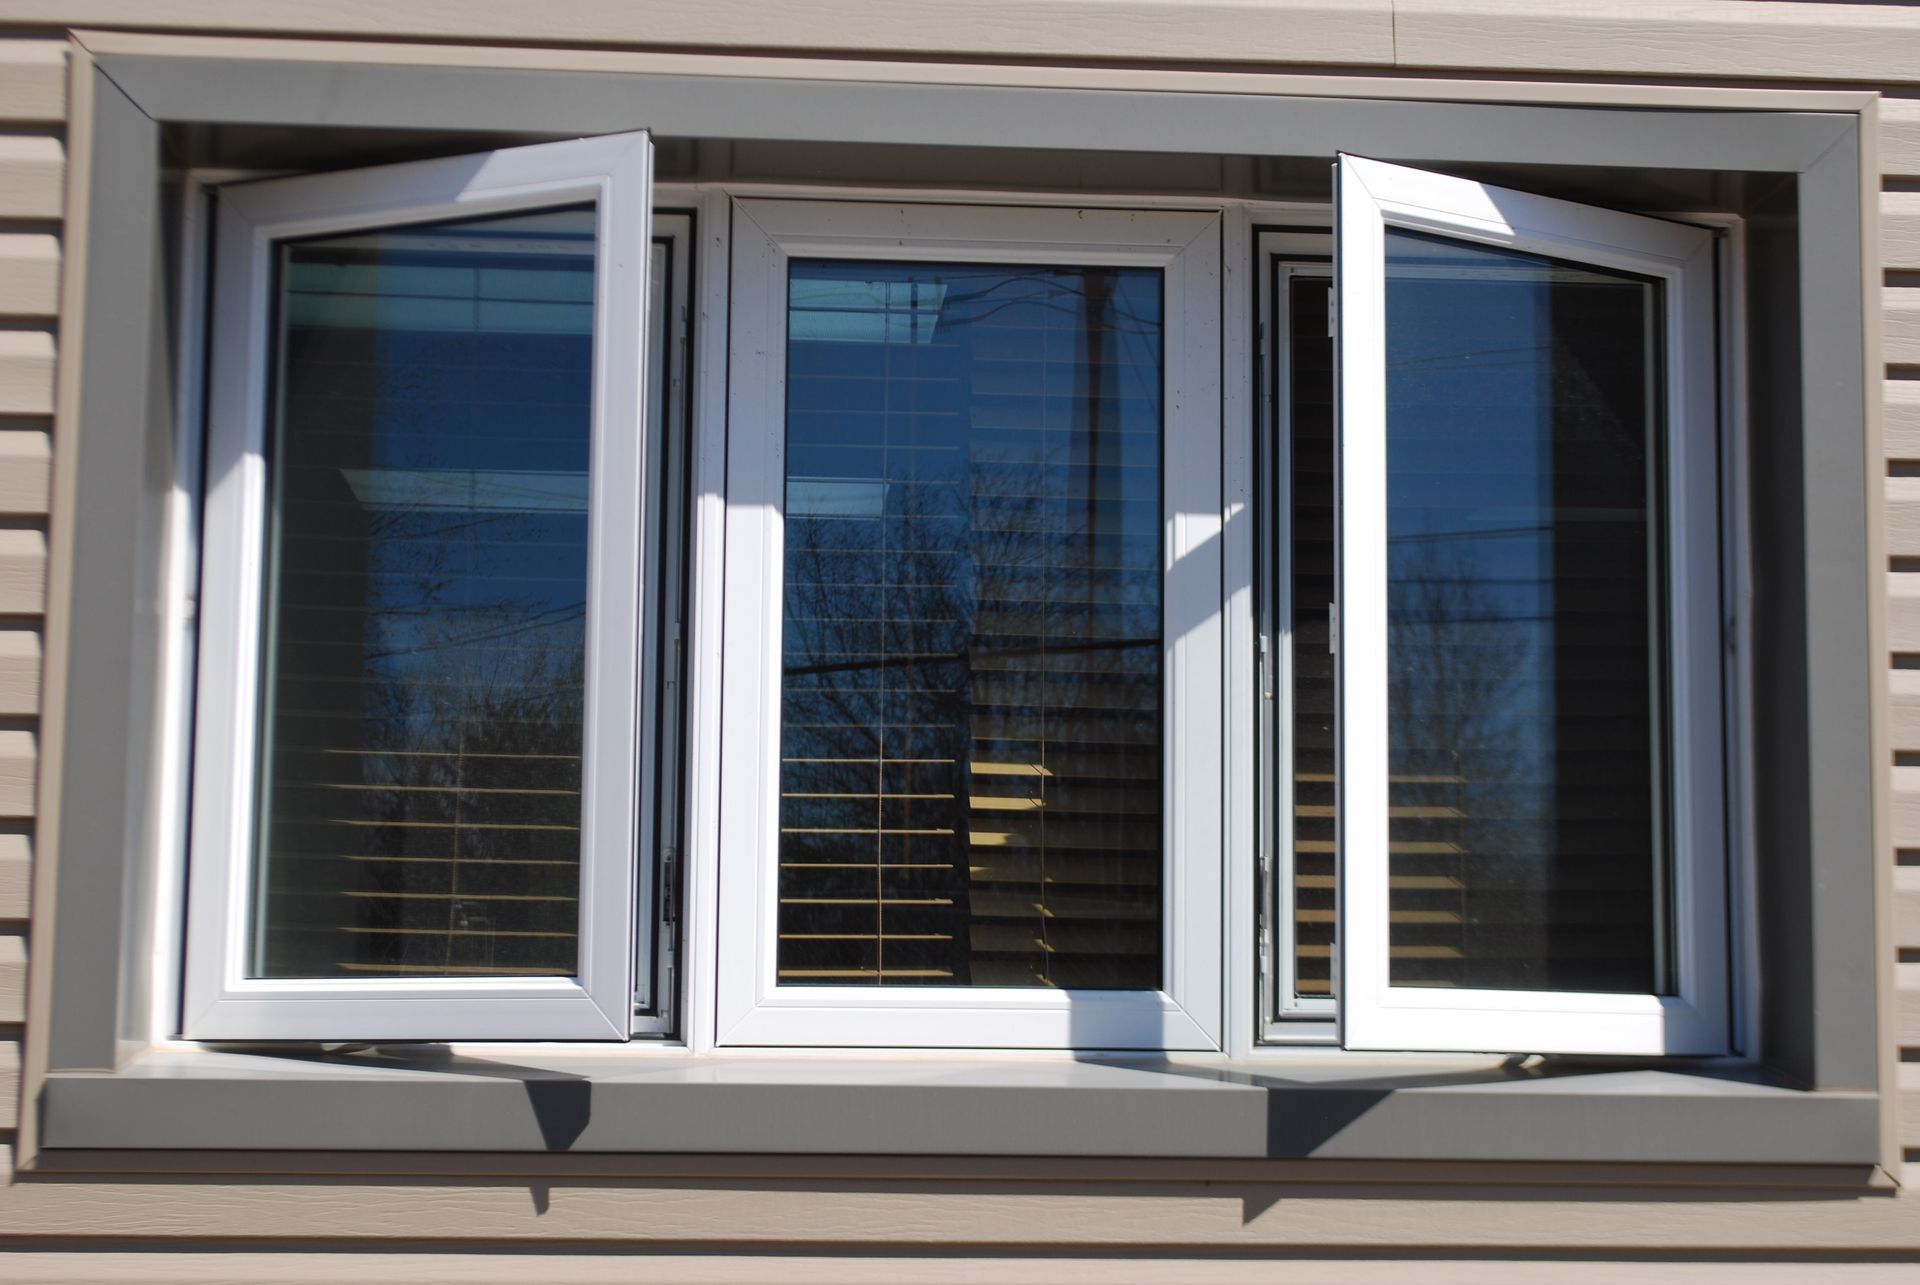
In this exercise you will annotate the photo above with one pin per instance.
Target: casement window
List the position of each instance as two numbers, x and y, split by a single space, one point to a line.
976 679
1527 722
418 786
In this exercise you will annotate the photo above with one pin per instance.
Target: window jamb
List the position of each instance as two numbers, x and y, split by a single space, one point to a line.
1282 255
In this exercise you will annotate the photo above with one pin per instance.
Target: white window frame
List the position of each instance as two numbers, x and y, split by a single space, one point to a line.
751 1008
1372 196
1286 1016
220 1001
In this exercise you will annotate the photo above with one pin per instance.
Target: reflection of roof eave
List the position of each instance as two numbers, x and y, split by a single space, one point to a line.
467 490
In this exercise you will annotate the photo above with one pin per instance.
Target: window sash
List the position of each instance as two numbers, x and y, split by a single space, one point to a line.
1374 1014
752 1008
221 1001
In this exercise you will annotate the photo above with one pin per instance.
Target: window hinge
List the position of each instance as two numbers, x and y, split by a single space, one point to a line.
669 911
1266 668
1333 314
1333 629
1262 880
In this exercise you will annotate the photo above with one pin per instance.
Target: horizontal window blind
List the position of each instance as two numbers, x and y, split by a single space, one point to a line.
1310 537
971 712
419 808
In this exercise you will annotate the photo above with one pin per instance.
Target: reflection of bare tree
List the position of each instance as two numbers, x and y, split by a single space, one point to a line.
478 740
1460 809
972 623
428 675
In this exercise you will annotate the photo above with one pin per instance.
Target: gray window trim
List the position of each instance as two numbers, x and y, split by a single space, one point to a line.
1813 1098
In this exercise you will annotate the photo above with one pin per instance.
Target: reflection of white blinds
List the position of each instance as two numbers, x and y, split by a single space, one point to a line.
971 737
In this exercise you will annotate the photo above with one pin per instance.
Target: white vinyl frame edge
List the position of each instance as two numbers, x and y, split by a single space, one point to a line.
1283 256
750 1008
1371 196
655 1000
219 1001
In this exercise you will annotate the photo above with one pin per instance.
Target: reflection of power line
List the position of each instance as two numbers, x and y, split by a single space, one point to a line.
1475 620
1488 533
541 620
948 658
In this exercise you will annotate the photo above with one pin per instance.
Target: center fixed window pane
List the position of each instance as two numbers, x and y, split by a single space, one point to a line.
970 784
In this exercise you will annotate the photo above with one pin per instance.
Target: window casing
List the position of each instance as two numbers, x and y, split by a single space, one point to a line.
1812 720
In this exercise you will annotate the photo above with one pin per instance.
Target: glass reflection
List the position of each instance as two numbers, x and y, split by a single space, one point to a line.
419 812
1312 698
1525 687
970 721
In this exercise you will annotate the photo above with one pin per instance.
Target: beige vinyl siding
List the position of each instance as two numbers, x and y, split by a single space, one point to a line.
249 1268
33 96
1172 1215
1900 349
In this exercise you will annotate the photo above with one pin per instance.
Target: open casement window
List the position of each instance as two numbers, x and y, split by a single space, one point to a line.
1530 815
971 773
416 794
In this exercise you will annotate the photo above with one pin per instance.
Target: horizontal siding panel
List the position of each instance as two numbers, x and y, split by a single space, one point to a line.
32 170
1900 137
16 871
29 273
13 977
1906 808
1909 1105
1901 400
1480 1227
23 571
20 662
19 752
1906 1019
1906 909
313 1264
1901 329
26 469
9 1081
1900 231
1674 37
1301 31
33 81
1903 687
26 372
1903 517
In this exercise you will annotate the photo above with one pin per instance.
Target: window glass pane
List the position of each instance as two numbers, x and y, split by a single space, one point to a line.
420 766
1525 688
971 714
1310 531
